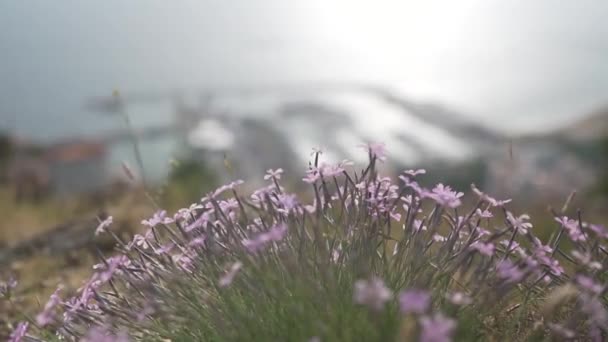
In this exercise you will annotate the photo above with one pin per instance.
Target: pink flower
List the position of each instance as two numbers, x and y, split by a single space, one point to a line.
312 176
376 150
444 196
273 174
103 225
19 333
437 328
372 293
459 298
589 284
46 316
485 197
414 301
486 249
228 277
519 223
160 217
415 173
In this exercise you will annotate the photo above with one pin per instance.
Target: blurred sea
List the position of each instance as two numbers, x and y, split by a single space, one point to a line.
514 66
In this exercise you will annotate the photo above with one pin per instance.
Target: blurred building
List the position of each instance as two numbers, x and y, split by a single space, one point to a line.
77 167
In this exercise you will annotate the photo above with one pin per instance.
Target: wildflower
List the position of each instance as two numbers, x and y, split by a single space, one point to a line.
141 240
519 223
197 241
484 213
6 287
515 247
594 309
486 249
312 176
599 230
439 238
589 284
227 278
288 201
276 234
160 217
459 298
437 328
418 226
273 174
101 334
344 163
164 249
376 150
414 301
184 262
490 200
46 316
509 272
561 331
415 173
103 225
585 260
19 333
372 293
445 196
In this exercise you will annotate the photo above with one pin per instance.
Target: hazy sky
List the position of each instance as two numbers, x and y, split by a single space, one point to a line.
533 62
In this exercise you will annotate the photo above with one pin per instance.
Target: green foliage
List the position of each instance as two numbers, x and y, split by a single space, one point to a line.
187 180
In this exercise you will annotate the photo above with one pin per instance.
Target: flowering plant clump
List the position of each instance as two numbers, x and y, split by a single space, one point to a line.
366 259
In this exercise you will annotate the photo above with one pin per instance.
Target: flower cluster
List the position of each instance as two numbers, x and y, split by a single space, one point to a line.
358 257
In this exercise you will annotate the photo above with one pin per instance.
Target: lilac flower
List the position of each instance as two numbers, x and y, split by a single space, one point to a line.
486 249
589 284
19 333
45 317
164 249
459 298
184 262
141 240
572 227
288 201
312 176
415 173
113 264
599 230
159 217
586 260
227 278
561 331
377 150
103 225
519 223
437 328
276 234
6 287
414 301
198 241
344 163
515 247
509 272
484 213
372 293
445 196
439 238
490 200
273 174
101 334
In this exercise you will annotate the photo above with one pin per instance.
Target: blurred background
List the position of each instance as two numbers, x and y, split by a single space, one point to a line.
511 95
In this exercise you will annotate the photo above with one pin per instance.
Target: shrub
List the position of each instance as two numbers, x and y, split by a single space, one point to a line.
367 260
